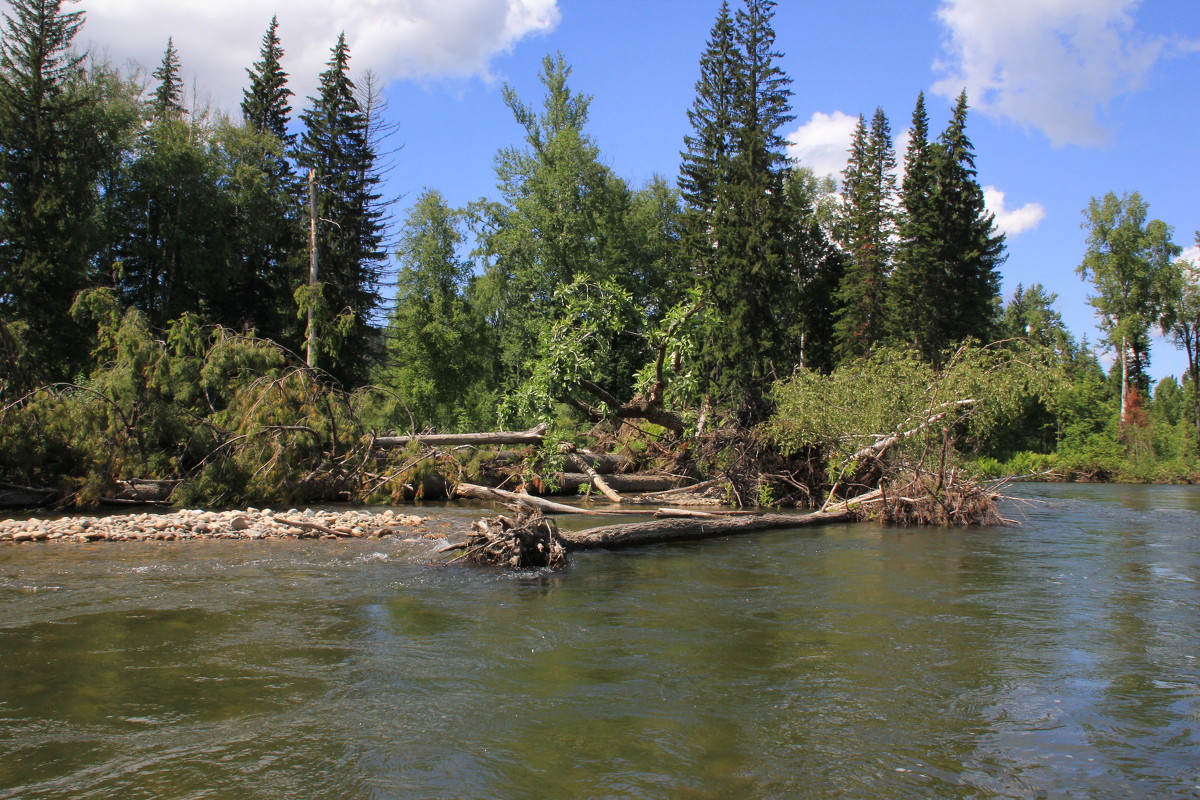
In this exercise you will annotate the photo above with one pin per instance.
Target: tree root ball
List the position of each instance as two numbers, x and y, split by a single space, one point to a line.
526 540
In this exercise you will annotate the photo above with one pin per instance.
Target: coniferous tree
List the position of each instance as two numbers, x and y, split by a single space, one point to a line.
738 208
865 232
265 102
710 147
916 282
335 143
167 215
266 226
50 159
969 248
168 96
817 266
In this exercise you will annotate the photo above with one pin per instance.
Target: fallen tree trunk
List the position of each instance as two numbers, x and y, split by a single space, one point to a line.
569 482
531 436
681 530
529 501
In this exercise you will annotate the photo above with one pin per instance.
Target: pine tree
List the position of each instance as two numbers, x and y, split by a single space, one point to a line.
865 233
969 248
48 169
916 282
168 96
335 144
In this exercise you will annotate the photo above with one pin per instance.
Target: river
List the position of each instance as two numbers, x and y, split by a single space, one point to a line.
1057 658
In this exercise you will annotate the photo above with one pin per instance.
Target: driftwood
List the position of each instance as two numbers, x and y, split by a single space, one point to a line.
634 483
529 540
680 530
530 501
531 436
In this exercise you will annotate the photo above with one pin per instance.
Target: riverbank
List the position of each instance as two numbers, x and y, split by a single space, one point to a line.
187 524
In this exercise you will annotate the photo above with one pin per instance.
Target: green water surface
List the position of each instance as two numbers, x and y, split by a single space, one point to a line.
1054 659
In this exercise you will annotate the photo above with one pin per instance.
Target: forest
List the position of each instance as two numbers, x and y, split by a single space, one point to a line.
198 298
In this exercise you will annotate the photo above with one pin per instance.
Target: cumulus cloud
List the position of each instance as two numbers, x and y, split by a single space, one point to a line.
1015 221
821 144
1192 256
218 39
1053 65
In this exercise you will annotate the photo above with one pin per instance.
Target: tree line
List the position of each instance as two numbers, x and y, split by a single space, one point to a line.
684 305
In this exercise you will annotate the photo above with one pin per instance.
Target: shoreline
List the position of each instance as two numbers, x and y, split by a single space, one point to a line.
194 524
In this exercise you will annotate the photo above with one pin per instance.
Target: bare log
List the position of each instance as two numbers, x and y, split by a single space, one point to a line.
313 526
570 481
680 530
529 501
531 436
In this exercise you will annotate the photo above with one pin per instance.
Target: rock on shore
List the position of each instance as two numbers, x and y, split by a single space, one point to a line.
251 523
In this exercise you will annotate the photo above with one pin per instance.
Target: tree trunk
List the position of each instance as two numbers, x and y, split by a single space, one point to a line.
680 530
532 436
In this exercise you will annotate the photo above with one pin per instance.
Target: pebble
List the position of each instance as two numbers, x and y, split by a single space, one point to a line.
189 524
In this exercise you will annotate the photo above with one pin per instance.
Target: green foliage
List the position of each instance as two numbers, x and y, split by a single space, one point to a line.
565 217
54 145
738 219
895 393
865 230
1129 261
336 143
578 343
438 363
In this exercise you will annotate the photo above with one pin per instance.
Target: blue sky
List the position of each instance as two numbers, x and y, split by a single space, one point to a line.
1071 98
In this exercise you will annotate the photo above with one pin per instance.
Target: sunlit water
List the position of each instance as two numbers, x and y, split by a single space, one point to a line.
1054 659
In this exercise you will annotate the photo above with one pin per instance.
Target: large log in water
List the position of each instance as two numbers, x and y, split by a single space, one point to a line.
681 530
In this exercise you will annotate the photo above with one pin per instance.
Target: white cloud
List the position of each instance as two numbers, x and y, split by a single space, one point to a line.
218 39
822 143
1191 255
1050 64
1016 221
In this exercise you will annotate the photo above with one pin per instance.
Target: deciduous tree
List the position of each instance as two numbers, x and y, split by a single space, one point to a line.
1129 262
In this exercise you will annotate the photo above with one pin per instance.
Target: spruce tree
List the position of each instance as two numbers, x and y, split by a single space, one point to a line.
917 279
265 102
267 230
335 143
168 95
969 247
710 146
817 266
48 170
738 206
865 233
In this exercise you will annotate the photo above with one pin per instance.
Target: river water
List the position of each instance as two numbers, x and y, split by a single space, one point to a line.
1059 658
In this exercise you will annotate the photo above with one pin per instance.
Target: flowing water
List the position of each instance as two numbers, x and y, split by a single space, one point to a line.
1054 659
